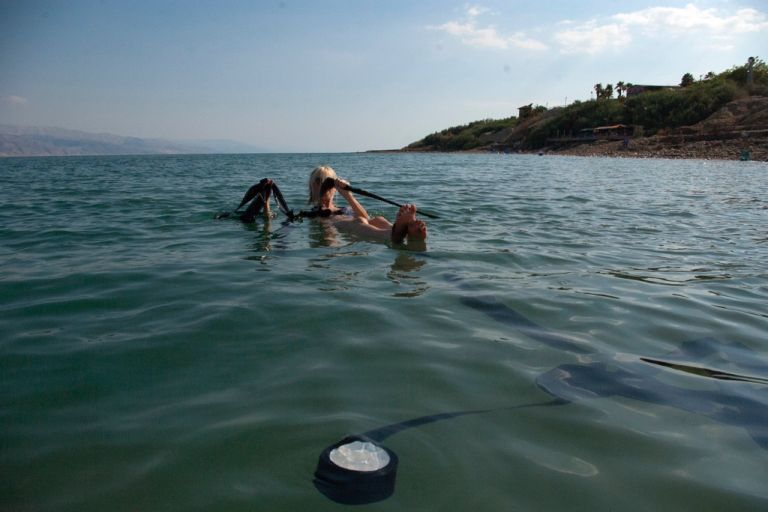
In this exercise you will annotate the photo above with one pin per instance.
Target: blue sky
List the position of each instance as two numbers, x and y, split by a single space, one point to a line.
343 75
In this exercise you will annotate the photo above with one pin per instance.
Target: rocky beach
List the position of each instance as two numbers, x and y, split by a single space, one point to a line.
736 131
756 148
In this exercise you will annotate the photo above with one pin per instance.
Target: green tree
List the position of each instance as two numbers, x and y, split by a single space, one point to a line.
739 73
620 88
687 80
603 93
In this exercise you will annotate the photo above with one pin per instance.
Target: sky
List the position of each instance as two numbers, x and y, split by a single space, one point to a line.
333 76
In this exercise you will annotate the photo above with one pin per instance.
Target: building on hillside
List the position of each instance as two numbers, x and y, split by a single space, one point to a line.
614 131
640 89
611 132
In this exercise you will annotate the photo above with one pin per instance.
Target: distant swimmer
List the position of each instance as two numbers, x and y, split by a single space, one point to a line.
354 219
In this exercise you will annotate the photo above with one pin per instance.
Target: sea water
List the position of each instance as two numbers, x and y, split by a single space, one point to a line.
153 358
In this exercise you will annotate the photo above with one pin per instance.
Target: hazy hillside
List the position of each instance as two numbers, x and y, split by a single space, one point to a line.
49 141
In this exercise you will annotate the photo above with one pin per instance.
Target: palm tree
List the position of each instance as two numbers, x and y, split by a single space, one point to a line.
620 88
603 93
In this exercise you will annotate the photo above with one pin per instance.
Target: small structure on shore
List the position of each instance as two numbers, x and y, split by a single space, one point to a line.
614 131
525 111
610 132
640 89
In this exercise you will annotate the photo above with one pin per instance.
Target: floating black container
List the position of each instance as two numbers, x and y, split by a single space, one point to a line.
351 486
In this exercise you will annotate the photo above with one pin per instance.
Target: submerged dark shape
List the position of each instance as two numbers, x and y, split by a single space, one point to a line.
741 407
506 315
740 398
382 433
705 372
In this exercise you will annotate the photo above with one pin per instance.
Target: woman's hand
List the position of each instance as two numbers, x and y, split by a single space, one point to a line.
341 184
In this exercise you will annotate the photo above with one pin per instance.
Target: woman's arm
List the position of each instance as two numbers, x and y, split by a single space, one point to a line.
351 199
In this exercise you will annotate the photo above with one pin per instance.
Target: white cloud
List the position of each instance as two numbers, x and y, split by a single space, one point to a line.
520 40
592 38
691 18
620 29
473 11
714 26
488 37
15 100
473 36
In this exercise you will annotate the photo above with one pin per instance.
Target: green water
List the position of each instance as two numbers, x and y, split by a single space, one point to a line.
152 358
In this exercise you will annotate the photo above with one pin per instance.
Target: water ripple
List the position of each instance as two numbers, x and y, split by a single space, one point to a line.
176 362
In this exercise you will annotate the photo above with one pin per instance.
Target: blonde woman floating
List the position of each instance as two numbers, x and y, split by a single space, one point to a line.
354 219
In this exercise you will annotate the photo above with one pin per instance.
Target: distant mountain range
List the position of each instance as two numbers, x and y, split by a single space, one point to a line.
49 141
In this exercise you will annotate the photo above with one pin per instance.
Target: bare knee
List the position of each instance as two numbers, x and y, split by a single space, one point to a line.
380 222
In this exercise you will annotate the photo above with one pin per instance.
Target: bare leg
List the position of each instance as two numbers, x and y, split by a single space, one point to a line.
380 222
267 194
406 224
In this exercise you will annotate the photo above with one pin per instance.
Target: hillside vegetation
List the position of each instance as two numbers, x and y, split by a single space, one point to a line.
652 112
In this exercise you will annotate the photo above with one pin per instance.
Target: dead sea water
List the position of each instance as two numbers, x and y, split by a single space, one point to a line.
152 358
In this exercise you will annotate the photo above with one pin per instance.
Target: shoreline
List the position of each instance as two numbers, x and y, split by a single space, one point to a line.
754 149
645 147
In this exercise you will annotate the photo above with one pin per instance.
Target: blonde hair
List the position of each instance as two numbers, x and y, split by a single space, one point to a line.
316 179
